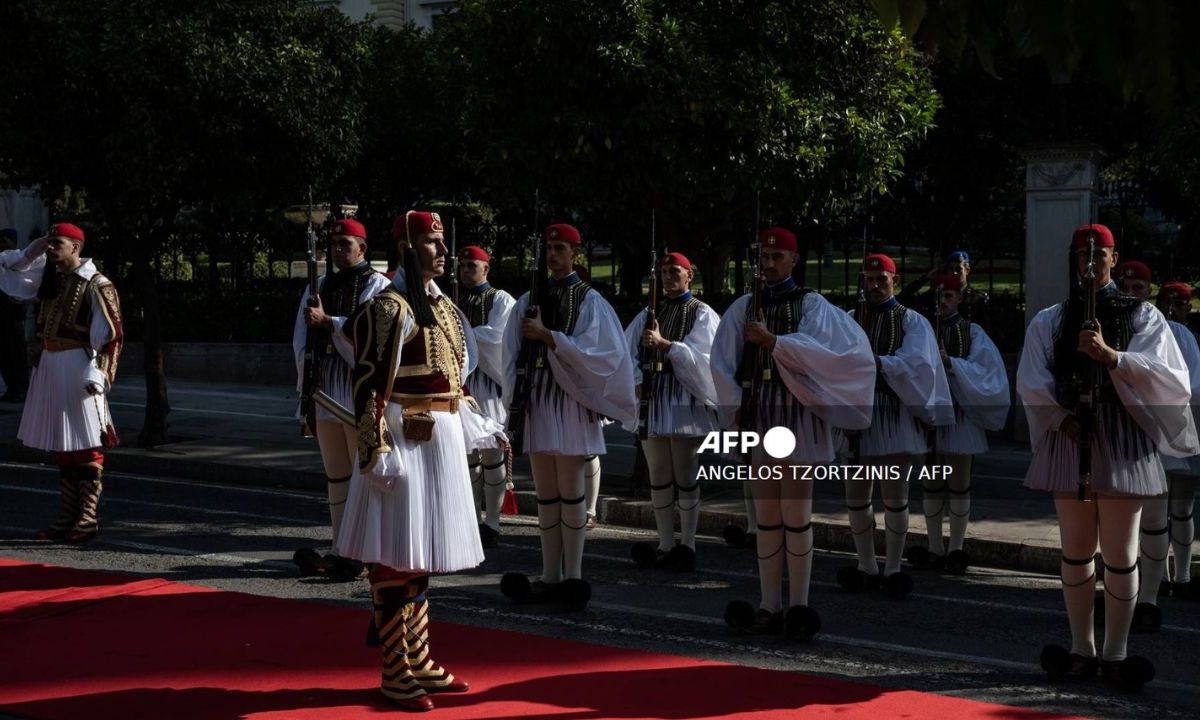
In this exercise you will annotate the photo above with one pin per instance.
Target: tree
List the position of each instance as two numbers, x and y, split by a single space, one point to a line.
152 107
1137 48
690 107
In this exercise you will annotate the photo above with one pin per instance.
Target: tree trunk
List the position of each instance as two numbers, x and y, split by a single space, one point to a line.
154 427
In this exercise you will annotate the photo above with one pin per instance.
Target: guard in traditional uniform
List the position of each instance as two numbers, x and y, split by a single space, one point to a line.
1175 301
80 332
675 347
338 296
410 511
582 375
911 393
979 386
488 310
807 368
1140 407
974 306
1135 279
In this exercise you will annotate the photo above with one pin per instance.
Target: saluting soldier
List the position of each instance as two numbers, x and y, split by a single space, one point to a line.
80 333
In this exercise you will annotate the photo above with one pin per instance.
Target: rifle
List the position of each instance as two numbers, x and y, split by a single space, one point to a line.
648 359
453 260
527 359
308 409
752 371
854 437
1085 409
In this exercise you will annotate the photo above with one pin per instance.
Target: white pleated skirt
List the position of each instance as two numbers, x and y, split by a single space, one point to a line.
558 425
487 393
676 413
964 437
426 521
1055 467
60 415
893 431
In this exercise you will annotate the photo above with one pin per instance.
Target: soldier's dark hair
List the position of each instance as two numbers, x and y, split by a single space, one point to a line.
414 281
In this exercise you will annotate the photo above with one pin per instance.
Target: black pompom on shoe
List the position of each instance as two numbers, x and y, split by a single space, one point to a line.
739 614
681 557
897 586
1147 618
801 623
957 562
574 593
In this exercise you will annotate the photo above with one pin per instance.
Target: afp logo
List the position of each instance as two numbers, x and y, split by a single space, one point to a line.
778 442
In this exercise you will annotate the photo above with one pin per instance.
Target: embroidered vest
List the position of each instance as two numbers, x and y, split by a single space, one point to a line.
1114 426
675 321
431 360
339 296
477 306
560 312
67 317
955 336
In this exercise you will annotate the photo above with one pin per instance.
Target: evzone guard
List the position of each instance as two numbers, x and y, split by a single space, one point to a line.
1175 301
488 310
578 372
339 295
410 511
979 386
80 335
674 347
910 392
1134 278
788 359
1105 390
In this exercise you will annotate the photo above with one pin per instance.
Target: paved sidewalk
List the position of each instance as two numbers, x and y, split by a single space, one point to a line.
246 434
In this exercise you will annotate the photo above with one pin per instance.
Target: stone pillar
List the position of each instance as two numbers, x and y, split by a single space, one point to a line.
1060 183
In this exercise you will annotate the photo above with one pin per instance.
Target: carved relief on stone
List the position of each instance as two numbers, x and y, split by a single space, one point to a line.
1056 174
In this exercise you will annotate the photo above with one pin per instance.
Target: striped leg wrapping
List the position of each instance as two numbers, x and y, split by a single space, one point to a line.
90 488
391 617
68 500
428 673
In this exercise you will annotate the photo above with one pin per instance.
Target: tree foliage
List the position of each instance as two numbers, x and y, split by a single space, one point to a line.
687 106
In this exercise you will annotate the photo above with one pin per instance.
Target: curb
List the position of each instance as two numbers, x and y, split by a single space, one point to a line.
985 552
623 512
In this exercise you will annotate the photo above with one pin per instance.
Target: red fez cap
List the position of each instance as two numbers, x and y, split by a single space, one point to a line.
582 272
878 261
676 259
66 230
420 222
1104 236
349 227
563 232
778 238
1175 288
1133 270
948 282
474 252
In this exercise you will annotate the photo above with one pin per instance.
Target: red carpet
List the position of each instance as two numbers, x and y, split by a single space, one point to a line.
83 644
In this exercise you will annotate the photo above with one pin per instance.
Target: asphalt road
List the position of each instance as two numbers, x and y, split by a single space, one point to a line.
976 636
